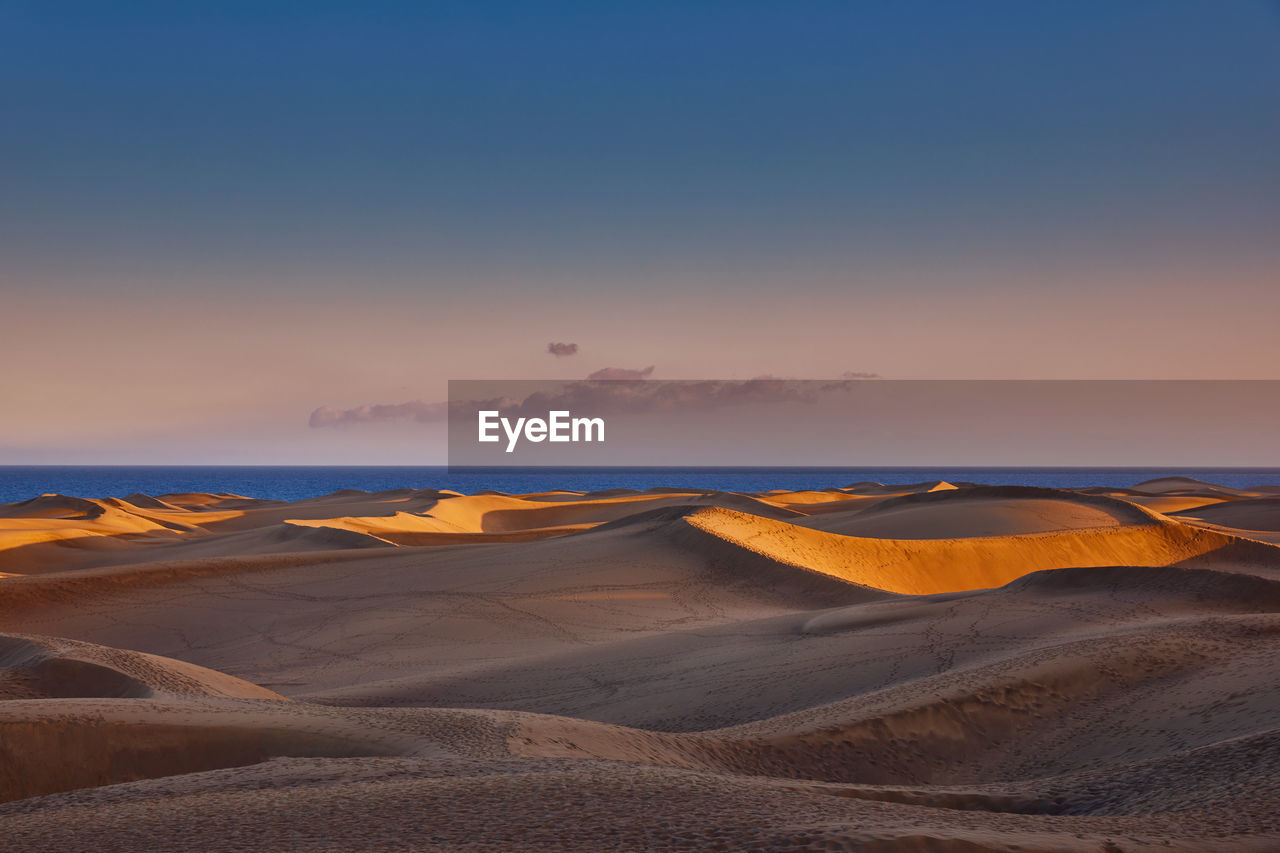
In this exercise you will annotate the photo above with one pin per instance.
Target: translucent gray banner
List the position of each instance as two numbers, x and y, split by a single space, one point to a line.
773 422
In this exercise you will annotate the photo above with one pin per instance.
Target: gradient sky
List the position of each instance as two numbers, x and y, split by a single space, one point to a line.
215 218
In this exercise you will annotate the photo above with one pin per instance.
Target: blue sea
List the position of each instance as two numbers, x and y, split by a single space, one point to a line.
292 483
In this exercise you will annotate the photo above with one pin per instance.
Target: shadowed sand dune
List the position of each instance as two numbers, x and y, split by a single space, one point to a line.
1244 514
45 668
938 667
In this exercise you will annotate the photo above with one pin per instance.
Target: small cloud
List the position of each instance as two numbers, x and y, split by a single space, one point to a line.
558 349
859 374
416 410
621 373
597 397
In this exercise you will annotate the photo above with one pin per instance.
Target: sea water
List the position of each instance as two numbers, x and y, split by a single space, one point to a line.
294 483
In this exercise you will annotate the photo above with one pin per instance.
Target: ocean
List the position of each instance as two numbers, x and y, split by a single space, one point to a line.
19 483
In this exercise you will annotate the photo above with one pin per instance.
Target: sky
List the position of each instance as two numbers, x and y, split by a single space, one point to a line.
216 219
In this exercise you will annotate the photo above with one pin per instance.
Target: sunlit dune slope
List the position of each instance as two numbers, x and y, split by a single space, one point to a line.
926 566
56 532
980 511
500 514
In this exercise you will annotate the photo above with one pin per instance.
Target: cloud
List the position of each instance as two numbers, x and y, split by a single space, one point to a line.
600 398
859 374
621 373
558 349
415 410
673 396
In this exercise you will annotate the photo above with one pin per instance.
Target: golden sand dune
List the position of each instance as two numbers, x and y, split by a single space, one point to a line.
55 532
502 514
413 529
91 517
925 566
54 506
868 487
74 550
1169 504
980 511
929 667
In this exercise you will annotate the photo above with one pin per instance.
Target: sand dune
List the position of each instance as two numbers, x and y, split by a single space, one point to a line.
1193 487
56 532
1245 514
972 512
506 514
778 664
924 667
926 566
45 668
1169 504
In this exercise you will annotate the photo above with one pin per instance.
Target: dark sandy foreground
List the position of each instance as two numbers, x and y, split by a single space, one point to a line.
879 668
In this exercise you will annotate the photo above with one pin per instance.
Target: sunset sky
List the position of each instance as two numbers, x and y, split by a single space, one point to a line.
217 218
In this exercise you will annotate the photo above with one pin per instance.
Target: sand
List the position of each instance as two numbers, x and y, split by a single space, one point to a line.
929 666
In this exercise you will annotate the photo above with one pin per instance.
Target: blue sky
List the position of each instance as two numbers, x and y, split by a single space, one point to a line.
822 178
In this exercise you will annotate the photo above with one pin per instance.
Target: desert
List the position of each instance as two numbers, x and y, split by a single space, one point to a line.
931 666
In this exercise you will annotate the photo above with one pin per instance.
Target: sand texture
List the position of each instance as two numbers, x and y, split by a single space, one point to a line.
923 667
